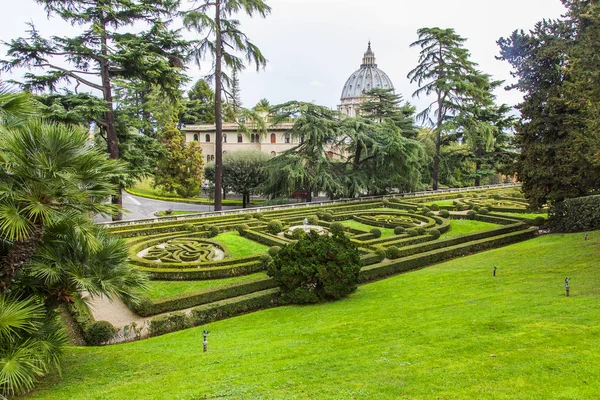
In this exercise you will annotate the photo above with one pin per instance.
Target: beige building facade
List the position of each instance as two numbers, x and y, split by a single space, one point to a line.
278 139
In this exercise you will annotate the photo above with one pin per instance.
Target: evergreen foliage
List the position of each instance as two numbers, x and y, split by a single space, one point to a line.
316 268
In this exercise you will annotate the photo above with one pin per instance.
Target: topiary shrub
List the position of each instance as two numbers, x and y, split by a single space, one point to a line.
212 231
421 230
336 228
274 227
385 202
298 233
265 260
381 253
376 232
435 233
539 221
471 214
435 207
317 268
189 227
241 229
444 213
247 216
460 207
430 214
327 216
425 210
392 252
313 220
483 211
257 215
98 332
460 196
476 208
399 230
273 250
412 232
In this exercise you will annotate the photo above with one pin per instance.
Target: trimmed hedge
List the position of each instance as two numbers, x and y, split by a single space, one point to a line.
575 215
187 300
266 239
192 274
420 260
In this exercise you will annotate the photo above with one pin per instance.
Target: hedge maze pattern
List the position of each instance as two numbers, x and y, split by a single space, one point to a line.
187 249
182 250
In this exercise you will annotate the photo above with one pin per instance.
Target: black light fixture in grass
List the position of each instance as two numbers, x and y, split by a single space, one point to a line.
205 341
567 287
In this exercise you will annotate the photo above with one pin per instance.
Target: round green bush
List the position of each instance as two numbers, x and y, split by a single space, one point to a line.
460 207
189 227
316 268
247 216
99 332
273 250
265 260
412 232
257 215
435 233
274 227
336 228
496 197
476 208
460 196
313 220
241 229
298 233
327 216
430 214
212 231
483 211
385 202
435 207
381 253
471 214
425 210
399 230
376 232
539 221
392 252
421 230
444 213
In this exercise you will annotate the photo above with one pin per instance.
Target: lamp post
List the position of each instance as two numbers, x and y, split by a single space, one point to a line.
205 341
567 287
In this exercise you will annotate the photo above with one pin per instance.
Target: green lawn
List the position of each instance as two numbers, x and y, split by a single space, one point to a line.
449 331
522 215
161 289
385 232
240 246
463 226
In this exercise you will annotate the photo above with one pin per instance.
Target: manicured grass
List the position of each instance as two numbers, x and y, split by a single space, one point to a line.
385 232
463 226
145 189
521 215
439 203
161 289
449 331
240 246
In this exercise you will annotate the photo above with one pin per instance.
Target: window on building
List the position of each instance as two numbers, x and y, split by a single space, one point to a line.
273 153
207 138
240 138
224 138
287 138
195 137
273 138
252 138
208 158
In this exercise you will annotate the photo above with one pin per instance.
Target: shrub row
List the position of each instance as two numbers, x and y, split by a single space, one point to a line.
263 238
387 268
194 274
94 332
438 244
214 312
495 219
148 307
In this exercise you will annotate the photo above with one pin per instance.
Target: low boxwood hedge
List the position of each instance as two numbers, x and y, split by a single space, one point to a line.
420 260
148 307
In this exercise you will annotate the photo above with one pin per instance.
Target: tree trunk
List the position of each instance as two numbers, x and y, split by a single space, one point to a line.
478 155
20 252
438 141
109 116
218 112
244 203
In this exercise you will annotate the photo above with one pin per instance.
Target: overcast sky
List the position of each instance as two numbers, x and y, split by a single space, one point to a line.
313 46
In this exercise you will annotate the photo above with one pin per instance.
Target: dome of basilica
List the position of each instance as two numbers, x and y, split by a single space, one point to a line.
366 78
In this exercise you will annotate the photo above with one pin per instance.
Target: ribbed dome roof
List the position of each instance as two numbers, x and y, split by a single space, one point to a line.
366 78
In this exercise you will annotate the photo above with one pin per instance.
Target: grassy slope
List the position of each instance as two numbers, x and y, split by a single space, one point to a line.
162 289
450 331
462 227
